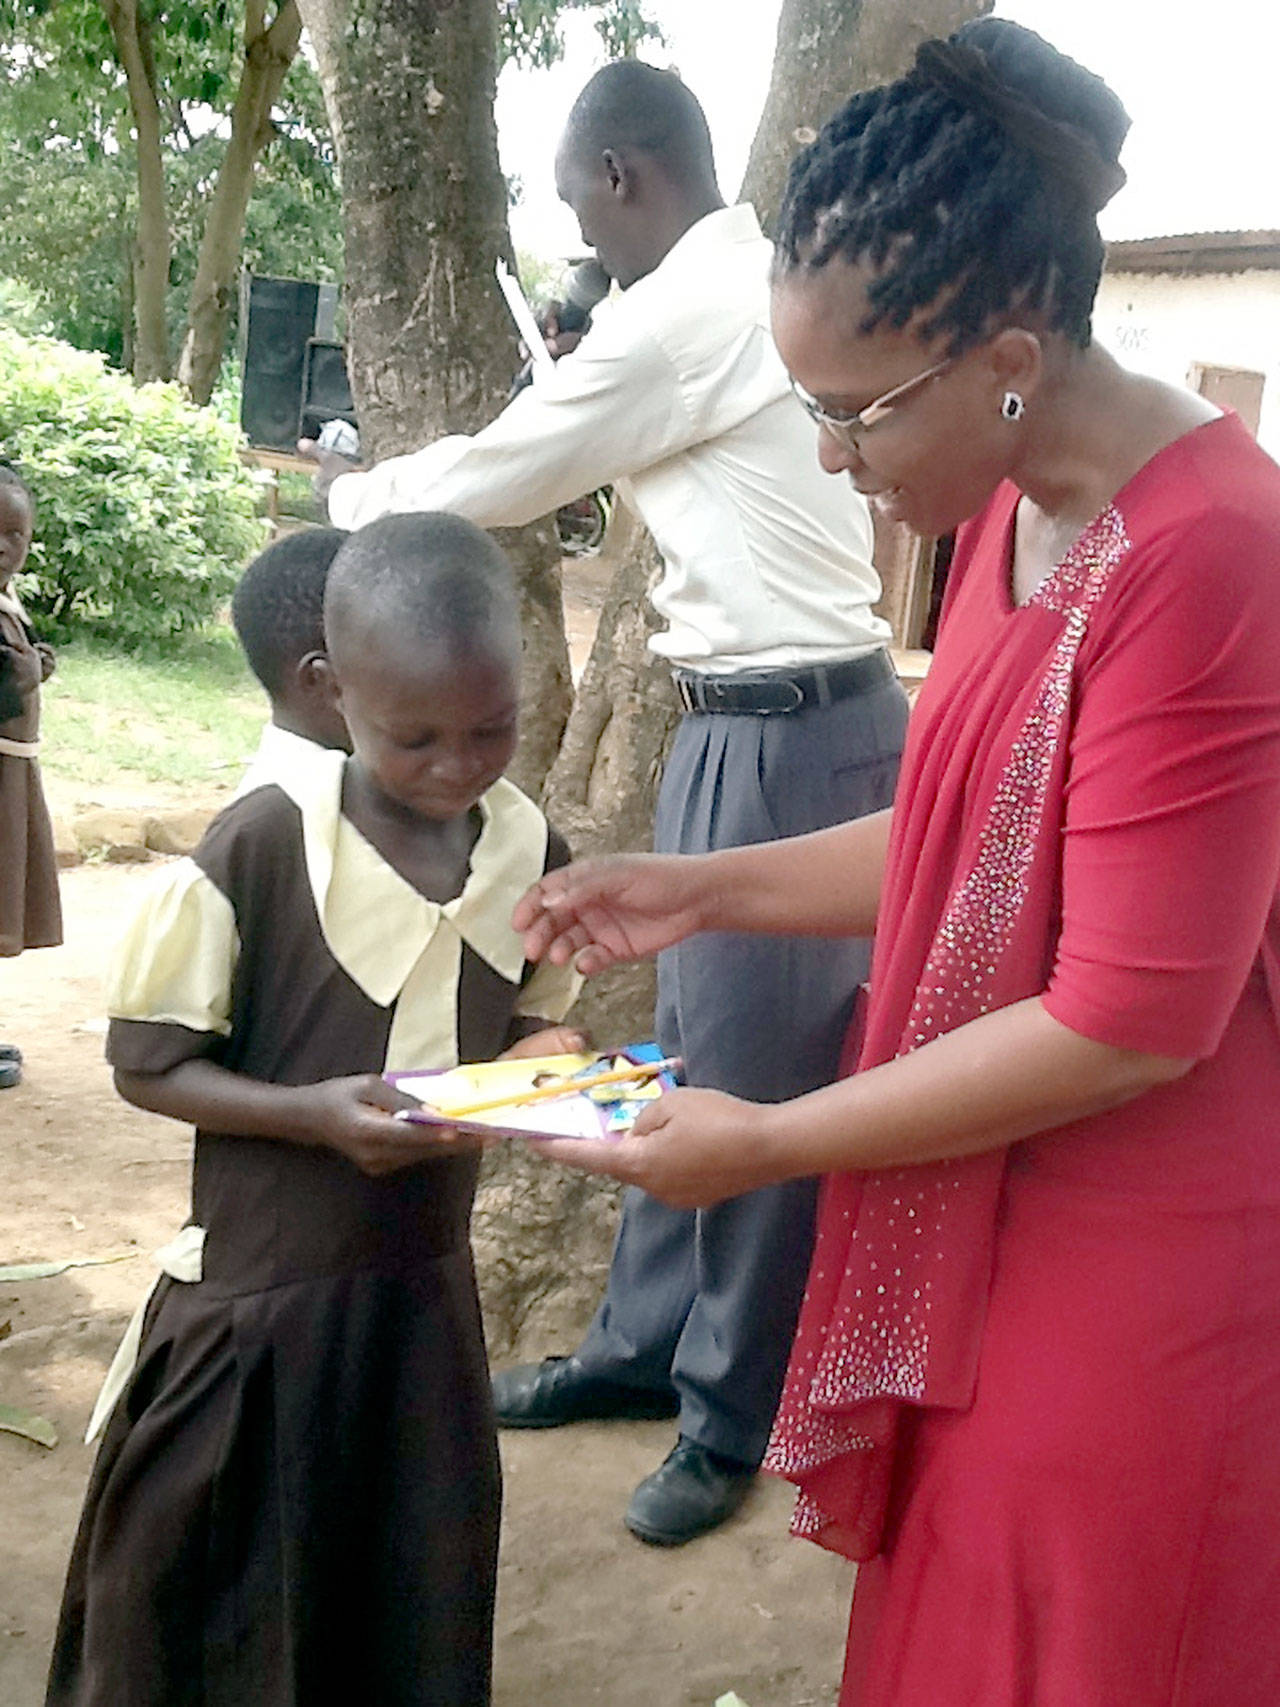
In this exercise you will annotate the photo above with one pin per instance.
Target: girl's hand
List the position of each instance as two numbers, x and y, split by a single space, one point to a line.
354 1117
552 1040
599 912
690 1148
48 659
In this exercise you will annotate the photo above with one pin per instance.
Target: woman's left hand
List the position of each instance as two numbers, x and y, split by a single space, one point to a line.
689 1149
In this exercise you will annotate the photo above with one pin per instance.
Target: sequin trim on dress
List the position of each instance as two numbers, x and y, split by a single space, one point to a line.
877 1346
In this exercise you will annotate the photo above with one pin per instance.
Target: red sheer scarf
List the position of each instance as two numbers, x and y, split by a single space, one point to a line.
896 1300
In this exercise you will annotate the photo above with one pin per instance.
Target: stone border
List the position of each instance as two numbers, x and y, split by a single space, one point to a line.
128 835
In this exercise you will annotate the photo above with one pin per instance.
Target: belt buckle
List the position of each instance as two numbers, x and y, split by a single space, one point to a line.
779 710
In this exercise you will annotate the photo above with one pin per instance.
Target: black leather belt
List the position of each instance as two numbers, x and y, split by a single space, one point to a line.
771 693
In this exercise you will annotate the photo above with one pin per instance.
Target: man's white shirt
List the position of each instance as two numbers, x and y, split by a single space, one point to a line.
677 397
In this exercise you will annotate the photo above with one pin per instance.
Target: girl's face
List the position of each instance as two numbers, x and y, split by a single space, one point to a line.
933 457
432 730
16 520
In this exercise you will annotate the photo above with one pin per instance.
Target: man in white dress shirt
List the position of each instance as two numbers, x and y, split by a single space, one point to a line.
794 721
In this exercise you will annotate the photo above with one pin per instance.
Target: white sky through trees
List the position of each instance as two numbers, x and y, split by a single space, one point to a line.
1199 81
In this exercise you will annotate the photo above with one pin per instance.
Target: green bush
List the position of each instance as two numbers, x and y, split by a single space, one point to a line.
145 512
22 309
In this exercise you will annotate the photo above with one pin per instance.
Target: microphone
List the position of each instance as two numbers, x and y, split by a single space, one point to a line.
586 285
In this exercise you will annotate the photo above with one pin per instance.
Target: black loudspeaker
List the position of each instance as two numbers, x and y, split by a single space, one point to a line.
326 389
277 318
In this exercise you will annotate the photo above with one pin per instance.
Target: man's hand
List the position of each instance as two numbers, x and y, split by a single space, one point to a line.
599 912
329 465
355 1117
551 1040
557 340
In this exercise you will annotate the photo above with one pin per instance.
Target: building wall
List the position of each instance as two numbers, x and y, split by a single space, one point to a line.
1164 323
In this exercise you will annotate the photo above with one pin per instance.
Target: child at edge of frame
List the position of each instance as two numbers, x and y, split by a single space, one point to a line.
295 1501
30 910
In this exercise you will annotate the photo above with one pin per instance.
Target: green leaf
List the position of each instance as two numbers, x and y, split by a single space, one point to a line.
48 1270
28 1425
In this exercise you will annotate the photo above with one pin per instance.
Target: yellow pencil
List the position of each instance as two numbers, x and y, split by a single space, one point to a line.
565 1087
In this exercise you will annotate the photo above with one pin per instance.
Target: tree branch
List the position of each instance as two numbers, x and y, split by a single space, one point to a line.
268 54
131 36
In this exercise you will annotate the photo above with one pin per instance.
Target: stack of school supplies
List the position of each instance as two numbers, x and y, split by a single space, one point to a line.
590 1095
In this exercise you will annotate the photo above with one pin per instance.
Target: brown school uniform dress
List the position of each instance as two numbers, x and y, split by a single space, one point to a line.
296 1499
30 914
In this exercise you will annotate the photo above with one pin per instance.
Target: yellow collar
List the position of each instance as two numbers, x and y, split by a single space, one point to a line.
376 924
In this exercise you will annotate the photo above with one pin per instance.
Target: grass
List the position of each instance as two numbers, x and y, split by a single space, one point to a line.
187 715
296 497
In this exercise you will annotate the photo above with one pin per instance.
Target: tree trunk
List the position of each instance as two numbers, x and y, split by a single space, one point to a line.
127 323
409 87
268 53
604 784
827 49
130 33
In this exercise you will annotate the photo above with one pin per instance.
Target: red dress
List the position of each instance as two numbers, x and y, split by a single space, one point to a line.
1039 1390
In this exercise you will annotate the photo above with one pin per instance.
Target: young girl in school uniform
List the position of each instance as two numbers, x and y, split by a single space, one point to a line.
30 915
295 1502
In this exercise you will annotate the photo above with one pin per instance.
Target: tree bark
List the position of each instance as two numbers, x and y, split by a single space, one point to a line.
827 49
409 87
129 31
269 50
603 785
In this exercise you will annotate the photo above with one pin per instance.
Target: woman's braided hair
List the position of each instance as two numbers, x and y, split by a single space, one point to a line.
970 186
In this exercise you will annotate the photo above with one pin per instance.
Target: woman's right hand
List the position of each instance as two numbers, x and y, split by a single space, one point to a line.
601 912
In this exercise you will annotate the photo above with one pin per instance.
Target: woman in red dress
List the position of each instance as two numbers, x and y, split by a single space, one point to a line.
1035 1389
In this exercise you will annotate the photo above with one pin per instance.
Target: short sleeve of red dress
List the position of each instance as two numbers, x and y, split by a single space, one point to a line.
1171 853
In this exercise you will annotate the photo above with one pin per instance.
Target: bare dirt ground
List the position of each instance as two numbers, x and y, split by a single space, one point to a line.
586 1614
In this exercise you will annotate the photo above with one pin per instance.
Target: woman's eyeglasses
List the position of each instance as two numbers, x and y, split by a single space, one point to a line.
847 429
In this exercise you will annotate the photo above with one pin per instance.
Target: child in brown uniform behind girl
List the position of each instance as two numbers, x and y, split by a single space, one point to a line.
278 614
295 1503
30 914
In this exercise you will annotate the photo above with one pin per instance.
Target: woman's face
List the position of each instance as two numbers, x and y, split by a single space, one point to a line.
935 456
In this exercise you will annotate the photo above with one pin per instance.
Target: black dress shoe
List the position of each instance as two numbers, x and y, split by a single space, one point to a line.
691 1492
559 1390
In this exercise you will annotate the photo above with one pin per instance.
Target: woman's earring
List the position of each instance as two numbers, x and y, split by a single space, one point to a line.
1012 408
